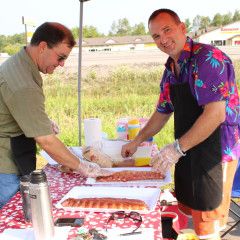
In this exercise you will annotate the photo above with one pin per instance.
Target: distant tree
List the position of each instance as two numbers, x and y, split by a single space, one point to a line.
88 32
188 25
121 28
205 22
91 32
75 32
196 23
16 38
236 16
217 20
3 42
113 29
11 44
12 48
227 18
138 29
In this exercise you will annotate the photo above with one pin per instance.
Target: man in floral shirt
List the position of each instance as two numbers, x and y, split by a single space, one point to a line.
199 86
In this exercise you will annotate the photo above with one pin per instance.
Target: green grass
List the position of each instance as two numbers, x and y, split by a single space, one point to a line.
119 92
122 91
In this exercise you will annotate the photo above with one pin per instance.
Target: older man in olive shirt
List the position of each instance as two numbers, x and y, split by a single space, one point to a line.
22 108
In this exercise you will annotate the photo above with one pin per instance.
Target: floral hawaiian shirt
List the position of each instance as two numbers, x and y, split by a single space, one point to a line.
211 77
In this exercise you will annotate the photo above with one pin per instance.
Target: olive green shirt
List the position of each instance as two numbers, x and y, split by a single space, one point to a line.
22 107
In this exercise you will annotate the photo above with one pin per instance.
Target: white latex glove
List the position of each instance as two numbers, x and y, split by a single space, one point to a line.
55 127
165 158
89 169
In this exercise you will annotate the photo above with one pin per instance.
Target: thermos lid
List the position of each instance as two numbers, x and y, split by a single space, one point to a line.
25 178
38 176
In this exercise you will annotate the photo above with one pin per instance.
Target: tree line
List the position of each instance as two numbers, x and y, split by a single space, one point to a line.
122 27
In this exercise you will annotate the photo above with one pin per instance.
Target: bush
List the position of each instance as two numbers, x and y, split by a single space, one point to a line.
11 49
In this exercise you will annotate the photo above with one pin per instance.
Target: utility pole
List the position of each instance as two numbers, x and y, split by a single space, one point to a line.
28 34
25 27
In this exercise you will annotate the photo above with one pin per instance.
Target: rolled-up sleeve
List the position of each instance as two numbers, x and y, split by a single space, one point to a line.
164 104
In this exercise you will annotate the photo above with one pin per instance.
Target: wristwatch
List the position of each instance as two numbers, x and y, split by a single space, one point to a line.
178 148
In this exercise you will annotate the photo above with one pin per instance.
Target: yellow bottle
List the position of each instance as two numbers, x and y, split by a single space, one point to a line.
133 128
142 161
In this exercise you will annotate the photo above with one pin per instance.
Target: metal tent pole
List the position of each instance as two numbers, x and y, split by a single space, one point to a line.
80 70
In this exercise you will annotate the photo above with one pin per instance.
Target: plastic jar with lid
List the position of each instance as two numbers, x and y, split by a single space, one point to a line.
133 128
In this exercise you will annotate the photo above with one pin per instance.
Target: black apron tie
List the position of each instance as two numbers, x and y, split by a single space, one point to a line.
198 175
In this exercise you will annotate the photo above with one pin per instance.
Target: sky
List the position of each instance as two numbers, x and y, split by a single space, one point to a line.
102 13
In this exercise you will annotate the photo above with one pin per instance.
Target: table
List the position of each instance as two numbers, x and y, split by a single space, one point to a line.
11 215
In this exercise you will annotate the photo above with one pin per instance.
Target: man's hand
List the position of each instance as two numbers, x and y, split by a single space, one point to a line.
165 158
55 127
129 149
89 169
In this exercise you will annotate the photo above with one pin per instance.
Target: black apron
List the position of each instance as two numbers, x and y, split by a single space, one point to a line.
198 175
24 153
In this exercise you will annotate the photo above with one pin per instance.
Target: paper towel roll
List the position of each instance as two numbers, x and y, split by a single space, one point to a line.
92 130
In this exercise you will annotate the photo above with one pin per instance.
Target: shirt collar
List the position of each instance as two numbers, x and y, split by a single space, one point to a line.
37 77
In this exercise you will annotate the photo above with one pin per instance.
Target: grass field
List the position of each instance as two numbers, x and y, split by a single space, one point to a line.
122 91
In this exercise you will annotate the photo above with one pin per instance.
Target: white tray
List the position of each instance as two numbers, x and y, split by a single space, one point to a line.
143 183
149 195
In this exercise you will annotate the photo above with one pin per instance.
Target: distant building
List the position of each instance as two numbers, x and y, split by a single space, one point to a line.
4 55
124 43
228 35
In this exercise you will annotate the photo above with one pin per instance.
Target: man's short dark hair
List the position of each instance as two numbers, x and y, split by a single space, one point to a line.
52 33
164 10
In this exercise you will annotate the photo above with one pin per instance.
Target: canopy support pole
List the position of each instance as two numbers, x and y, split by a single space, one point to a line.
80 71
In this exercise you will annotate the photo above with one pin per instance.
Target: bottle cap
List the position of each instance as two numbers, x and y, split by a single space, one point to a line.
121 128
150 139
25 178
133 121
38 176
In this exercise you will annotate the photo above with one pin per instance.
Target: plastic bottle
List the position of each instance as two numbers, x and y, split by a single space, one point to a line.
133 128
122 128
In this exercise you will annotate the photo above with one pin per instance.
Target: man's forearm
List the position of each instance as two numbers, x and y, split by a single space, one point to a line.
58 151
153 126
